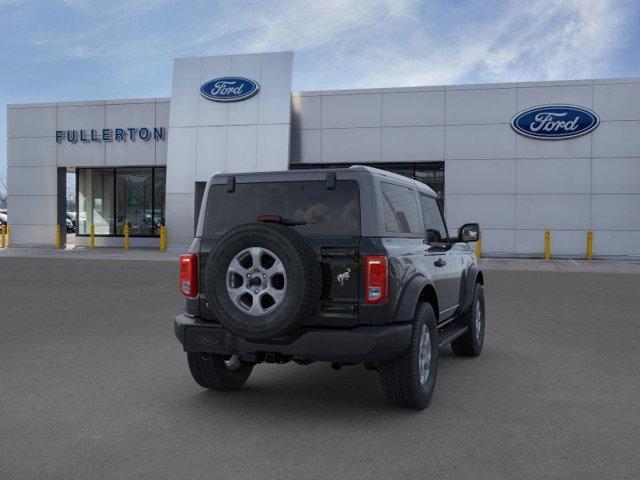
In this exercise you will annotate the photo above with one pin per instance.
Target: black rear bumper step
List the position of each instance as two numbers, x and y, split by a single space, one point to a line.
450 333
354 345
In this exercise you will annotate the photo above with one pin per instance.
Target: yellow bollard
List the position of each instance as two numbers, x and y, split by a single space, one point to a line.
589 245
479 246
126 237
547 244
163 238
3 234
58 237
92 237
8 235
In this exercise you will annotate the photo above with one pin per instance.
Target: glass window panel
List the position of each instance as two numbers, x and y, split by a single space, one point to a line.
323 212
159 194
400 208
434 225
134 200
95 201
432 174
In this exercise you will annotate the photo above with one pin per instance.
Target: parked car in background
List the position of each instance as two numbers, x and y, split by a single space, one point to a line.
3 218
71 222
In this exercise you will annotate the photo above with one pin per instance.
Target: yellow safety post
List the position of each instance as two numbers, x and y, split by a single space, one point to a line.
8 235
126 236
479 246
92 237
163 238
589 245
547 244
58 236
3 234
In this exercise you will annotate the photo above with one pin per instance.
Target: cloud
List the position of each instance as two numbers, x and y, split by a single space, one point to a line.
361 43
543 40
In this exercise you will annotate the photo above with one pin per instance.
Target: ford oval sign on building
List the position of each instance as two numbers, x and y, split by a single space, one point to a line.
229 89
555 122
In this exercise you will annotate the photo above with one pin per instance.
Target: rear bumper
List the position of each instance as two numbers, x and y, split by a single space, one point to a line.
356 345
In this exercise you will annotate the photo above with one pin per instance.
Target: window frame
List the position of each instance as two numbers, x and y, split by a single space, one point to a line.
155 230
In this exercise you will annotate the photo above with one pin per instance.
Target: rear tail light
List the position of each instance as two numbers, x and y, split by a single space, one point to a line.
188 274
376 274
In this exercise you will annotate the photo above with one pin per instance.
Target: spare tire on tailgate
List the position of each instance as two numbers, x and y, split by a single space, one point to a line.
262 280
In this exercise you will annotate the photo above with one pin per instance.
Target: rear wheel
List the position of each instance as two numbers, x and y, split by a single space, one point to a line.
218 372
408 381
470 344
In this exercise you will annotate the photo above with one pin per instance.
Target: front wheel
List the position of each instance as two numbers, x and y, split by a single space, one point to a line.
408 381
218 372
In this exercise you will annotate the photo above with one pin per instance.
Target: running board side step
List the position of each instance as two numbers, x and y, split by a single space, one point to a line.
450 333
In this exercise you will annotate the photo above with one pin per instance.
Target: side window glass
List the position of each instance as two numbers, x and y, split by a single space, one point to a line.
400 209
433 223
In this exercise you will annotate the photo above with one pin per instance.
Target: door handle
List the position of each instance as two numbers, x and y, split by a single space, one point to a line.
440 263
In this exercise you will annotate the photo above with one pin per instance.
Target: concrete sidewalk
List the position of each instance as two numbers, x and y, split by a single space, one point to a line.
508 264
101 253
560 265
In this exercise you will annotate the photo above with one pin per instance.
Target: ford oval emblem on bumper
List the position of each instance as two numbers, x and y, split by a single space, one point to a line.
206 340
555 122
229 89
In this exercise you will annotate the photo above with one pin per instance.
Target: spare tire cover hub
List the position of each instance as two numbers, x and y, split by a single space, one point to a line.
256 281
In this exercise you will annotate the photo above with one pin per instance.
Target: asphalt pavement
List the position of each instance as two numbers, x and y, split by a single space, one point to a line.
94 385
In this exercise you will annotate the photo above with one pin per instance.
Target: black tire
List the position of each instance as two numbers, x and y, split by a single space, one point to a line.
210 371
470 344
303 280
401 377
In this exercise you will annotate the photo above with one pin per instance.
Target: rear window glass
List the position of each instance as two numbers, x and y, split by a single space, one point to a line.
326 212
400 209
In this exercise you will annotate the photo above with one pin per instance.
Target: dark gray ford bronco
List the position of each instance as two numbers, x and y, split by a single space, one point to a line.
349 266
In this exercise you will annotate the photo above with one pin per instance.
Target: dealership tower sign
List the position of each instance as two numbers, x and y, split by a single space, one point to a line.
555 122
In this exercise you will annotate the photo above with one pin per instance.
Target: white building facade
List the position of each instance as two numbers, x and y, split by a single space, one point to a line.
144 163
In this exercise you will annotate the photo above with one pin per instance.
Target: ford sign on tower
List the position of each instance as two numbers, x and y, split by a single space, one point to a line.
555 122
229 89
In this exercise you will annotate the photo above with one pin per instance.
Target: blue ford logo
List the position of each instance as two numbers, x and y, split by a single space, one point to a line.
229 89
555 122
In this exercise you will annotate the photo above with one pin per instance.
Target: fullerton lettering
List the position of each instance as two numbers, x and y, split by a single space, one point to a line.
548 122
110 135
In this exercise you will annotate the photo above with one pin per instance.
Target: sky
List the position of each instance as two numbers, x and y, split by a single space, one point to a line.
96 49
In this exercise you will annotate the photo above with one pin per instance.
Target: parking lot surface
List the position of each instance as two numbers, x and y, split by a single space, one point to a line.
93 385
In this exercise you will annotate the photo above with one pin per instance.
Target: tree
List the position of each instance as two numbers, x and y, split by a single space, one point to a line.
3 193
71 192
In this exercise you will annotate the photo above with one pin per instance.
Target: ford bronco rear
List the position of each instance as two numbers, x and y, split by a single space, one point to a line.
347 266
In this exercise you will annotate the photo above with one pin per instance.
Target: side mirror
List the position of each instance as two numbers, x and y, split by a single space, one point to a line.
469 232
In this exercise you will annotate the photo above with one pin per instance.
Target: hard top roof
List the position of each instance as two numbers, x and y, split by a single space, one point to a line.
421 187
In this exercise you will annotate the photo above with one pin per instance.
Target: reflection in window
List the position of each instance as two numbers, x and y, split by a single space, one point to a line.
95 201
320 211
110 198
434 225
400 208
159 190
134 193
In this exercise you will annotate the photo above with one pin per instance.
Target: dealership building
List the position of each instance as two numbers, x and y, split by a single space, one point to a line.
519 158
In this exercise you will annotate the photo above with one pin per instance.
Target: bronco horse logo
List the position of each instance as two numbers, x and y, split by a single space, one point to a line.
343 277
